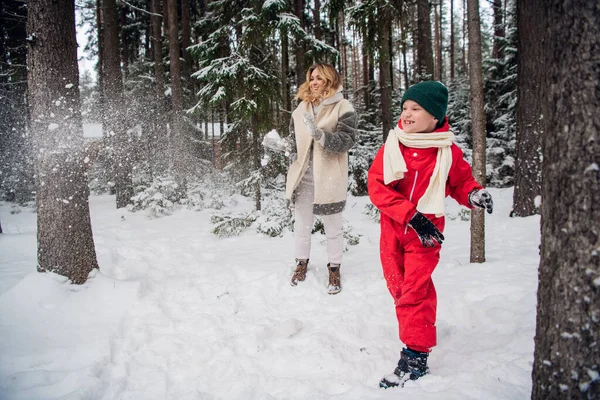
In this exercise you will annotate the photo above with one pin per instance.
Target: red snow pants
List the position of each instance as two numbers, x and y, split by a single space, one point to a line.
407 268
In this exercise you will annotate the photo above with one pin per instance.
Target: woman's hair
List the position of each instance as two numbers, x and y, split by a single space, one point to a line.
332 78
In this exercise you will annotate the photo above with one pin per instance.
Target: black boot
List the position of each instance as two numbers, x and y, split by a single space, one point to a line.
411 366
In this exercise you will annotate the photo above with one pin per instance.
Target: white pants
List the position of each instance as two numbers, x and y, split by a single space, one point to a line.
303 211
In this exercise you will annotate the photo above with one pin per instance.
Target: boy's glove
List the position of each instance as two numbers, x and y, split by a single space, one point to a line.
482 199
428 233
309 121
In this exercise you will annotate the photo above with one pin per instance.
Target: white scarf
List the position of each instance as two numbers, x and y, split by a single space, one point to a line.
394 166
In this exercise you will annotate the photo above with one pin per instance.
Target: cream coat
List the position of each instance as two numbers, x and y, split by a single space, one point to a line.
337 120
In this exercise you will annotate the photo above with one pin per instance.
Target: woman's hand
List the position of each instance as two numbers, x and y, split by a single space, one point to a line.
311 125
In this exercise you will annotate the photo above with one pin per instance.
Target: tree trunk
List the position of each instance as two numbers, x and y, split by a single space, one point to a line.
158 142
497 49
478 123
341 22
452 41
124 42
186 34
64 235
181 161
300 62
114 110
317 19
100 64
527 191
403 39
437 41
384 27
424 47
285 83
365 76
567 356
463 62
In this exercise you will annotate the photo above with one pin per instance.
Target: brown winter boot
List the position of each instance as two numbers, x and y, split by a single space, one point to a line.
300 272
335 281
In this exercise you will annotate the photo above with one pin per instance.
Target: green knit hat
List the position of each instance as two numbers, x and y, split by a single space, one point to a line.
431 95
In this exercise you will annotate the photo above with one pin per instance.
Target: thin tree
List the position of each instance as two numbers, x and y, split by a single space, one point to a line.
299 44
114 111
567 355
437 40
478 126
385 14
186 34
452 41
158 141
499 31
65 244
530 87
179 151
317 19
424 47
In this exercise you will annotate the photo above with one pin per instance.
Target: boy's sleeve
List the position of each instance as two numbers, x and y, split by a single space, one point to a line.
460 178
384 197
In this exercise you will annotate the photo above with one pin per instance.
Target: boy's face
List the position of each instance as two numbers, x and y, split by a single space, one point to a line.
415 119
317 83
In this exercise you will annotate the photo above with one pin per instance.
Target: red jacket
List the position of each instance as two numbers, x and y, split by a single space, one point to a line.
398 200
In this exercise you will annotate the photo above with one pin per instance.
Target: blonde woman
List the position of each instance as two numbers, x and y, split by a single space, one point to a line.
322 130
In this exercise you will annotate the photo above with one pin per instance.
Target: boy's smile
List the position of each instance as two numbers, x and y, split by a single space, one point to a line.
415 119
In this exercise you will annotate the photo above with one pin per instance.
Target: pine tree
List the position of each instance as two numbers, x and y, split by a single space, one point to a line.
65 241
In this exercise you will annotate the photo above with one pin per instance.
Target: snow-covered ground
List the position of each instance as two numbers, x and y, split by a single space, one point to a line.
176 313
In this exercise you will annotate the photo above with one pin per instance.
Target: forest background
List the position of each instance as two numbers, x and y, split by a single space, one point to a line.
238 66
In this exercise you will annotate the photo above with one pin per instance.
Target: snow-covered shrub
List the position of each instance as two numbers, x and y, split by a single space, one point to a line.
158 197
276 215
227 225
372 212
463 214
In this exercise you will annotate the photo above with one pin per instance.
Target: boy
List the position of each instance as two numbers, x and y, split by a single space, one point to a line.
418 166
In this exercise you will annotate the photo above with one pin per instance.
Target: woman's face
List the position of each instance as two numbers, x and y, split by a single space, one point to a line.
317 83
415 119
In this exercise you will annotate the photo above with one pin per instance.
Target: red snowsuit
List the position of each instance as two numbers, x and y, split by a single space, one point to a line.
407 264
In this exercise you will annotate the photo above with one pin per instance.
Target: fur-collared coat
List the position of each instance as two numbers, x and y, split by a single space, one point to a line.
336 118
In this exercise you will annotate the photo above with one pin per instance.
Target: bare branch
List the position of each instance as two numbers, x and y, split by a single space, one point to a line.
140 9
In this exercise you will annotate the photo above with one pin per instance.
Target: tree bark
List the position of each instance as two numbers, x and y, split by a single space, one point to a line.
124 40
158 141
285 82
478 124
424 47
499 32
186 34
181 161
452 41
365 76
567 356
300 62
384 75
114 110
64 235
100 64
528 162
437 41
317 19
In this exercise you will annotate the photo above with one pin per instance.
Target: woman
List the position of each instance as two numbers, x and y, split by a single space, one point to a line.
322 130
